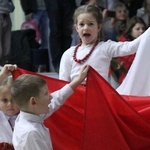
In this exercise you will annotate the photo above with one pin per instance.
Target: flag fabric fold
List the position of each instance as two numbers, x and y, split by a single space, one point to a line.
96 117
110 121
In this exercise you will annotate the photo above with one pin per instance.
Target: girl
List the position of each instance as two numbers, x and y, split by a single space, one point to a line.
92 50
8 111
135 28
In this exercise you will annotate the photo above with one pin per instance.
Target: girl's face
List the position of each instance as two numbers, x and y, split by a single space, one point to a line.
137 30
42 101
87 28
121 13
6 104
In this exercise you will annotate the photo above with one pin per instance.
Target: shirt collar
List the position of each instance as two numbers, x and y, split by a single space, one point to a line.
11 117
31 117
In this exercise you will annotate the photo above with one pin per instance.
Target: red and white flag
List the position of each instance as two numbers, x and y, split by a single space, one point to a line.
96 117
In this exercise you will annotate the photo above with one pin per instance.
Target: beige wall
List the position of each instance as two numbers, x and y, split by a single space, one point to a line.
17 16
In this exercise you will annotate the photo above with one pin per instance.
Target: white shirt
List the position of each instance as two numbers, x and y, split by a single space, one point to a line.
29 131
100 57
5 129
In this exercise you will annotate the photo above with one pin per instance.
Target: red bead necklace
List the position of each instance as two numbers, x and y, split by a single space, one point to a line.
87 56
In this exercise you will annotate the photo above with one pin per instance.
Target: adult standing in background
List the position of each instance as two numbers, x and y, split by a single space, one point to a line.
61 24
35 10
6 7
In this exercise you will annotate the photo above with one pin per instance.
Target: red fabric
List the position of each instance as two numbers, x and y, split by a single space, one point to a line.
126 61
123 38
97 117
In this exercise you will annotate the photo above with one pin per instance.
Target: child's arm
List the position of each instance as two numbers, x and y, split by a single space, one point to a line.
60 96
6 71
80 78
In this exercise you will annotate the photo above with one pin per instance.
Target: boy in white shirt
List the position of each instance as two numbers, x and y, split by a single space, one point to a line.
30 94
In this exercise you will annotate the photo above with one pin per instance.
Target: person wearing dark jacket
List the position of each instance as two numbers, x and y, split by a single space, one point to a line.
35 10
61 25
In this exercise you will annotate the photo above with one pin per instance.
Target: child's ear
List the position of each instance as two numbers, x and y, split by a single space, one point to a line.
99 27
76 27
32 101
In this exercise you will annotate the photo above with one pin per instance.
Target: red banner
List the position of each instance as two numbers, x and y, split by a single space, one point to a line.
97 117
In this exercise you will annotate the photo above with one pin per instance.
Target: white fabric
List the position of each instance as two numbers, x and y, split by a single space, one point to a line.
137 81
99 59
29 131
5 129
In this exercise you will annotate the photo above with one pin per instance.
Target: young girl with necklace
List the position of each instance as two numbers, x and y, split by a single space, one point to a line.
91 50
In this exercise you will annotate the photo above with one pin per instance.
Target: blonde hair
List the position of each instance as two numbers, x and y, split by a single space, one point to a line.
7 82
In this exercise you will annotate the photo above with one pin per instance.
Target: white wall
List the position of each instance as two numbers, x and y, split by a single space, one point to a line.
17 16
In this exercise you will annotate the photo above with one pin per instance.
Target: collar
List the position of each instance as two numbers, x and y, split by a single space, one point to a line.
31 117
11 117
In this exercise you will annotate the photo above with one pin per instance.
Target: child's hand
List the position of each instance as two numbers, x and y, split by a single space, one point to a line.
104 14
6 71
80 78
8 68
83 73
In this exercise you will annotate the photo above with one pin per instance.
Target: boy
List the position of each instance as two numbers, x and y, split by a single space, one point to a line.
8 111
30 94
